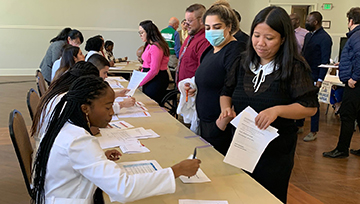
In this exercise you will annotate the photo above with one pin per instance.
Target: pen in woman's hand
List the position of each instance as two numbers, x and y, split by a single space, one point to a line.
194 156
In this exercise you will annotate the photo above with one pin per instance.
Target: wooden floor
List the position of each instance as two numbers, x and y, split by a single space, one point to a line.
314 180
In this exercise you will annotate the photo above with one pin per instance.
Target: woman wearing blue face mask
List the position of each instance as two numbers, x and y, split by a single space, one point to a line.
220 25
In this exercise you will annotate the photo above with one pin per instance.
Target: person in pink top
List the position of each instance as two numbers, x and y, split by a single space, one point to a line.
155 59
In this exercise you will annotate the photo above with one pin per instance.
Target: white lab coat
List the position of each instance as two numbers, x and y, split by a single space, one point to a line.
77 164
188 109
47 114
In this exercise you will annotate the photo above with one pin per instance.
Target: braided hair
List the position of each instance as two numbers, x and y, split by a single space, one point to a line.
84 90
59 86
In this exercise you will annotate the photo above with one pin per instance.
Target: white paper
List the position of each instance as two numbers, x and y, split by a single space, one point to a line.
116 68
120 125
133 148
153 133
108 142
249 142
135 80
110 137
114 83
132 115
140 167
328 66
199 177
119 79
189 201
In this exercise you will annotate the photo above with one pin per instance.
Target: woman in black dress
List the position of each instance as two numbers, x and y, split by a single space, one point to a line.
276 82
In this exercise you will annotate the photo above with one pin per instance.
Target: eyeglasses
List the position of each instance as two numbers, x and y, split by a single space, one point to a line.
188 22
141 32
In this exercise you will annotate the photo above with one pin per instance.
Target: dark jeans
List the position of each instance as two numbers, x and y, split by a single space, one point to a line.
349 112
156 88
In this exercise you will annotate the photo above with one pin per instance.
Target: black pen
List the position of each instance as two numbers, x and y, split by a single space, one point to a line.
194 156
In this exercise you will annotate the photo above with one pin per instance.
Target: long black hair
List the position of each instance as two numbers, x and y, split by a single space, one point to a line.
84 90
153 36
278 20
59 86
68 32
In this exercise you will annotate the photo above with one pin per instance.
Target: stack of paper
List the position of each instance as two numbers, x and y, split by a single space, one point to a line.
249 142
126 139
133 148
114 82
120 125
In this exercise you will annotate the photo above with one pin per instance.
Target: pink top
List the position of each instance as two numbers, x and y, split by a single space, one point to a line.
154 59
300 36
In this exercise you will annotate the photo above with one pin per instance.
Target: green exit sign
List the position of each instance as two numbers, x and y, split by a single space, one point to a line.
327 6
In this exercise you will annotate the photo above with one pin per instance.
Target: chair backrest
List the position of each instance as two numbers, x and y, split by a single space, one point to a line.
32 101
41 83
22 145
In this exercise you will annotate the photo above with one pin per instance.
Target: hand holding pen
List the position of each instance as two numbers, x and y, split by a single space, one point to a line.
189 91
194 156
188 167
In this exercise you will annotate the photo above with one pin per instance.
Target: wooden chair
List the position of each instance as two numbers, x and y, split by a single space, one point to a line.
20 138
41 83
32 101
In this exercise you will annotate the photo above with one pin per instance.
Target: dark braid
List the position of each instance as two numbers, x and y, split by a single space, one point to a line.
59 86
83 91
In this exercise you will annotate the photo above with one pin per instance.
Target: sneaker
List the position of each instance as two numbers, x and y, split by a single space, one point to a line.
310 137
300 130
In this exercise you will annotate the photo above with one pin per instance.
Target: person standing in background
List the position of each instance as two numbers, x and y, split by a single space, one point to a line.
299 31
194 45
316 51
155 60
240 36
53 53
349 74
173 40
183 32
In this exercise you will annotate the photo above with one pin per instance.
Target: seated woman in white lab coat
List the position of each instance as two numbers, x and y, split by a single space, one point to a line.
70 162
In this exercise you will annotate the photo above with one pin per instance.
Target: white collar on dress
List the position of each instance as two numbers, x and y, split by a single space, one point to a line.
261 72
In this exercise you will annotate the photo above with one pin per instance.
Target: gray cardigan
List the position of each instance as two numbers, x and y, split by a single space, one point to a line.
52 54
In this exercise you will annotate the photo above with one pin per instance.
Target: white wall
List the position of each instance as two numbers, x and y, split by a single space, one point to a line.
26 27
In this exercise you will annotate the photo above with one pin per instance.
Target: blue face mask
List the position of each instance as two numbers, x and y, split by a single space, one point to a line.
215 37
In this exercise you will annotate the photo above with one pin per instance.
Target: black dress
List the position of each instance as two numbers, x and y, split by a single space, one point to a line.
209 79
274 167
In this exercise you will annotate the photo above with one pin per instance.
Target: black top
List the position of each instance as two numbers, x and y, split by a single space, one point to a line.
298 89
209 79
242 37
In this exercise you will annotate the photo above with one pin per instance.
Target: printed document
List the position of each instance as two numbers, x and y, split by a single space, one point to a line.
249 142
140 167
135 80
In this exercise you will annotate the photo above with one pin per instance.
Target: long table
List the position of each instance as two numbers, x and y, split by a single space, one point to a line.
124 67
175 144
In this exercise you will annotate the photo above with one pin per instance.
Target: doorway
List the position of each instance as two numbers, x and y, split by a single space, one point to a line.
302 11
